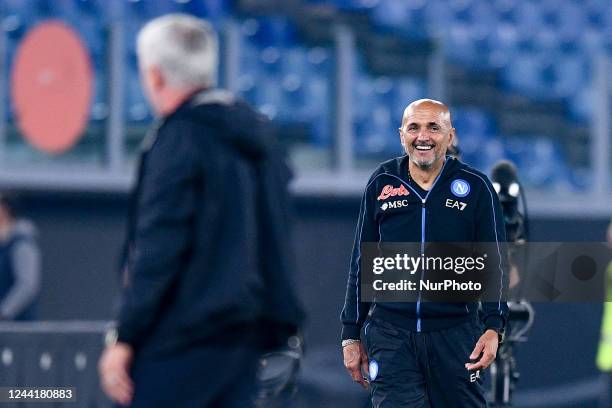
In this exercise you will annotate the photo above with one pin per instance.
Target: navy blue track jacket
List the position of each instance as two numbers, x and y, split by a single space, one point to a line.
423 216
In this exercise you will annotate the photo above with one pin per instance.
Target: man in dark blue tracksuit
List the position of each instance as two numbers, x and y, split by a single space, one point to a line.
425 354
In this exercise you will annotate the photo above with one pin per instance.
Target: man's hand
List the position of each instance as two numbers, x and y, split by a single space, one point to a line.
114 370
487 346
355 360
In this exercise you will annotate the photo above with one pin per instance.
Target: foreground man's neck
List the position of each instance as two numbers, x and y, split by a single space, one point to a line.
175 98
425 177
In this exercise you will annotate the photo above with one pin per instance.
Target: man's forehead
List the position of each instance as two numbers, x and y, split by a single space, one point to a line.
426 114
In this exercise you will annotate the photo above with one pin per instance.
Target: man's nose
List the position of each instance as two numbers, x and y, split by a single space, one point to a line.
422 135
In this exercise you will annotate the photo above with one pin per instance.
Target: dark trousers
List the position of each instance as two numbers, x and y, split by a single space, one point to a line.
425 369
206 376
605 397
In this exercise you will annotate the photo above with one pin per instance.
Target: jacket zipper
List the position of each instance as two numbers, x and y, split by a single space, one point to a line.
423 211
418 305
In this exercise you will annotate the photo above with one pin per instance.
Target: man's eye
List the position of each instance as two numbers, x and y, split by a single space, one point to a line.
434 129
412 128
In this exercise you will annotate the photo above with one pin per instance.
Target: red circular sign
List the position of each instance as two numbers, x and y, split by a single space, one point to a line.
52 87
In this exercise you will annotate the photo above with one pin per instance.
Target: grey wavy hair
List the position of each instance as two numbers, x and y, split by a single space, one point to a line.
183 47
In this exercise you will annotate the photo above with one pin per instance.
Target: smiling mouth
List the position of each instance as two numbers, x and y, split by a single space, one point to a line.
423 148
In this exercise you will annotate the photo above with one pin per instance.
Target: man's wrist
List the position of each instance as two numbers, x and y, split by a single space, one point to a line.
348 342
500 333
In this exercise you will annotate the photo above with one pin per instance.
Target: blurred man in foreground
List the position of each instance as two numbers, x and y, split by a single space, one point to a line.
207 286
20 263
425 354
604 354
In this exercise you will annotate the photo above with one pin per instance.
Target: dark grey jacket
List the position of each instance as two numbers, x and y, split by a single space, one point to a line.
209 237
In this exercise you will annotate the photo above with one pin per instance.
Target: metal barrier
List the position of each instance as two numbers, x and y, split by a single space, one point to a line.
53 354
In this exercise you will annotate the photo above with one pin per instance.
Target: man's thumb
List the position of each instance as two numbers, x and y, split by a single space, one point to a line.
365 364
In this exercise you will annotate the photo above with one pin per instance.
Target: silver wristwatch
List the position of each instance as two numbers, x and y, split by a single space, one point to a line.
349 342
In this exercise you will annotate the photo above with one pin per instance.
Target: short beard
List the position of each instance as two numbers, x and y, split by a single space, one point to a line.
425 166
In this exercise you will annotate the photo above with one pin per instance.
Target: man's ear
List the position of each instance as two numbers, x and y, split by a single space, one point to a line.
156 78
451 136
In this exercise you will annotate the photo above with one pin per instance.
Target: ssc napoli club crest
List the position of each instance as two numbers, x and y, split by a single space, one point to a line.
460 188
373 370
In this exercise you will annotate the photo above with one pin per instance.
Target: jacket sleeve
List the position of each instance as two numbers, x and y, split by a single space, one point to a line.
26 261
161 249
355 311
490 229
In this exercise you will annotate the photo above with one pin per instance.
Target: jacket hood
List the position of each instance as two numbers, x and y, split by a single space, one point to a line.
243 128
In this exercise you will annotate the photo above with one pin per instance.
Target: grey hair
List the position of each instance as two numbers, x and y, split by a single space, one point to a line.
183 47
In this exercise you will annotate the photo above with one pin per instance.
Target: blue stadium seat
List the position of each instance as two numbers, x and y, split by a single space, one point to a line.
540 162
528 18
526 73
270 31
378 105
407 18
99 109
307 86
306 75
473 120
28 11
372 119
580 179
289 83
377 134
405 90
437 16
581 104
136 107
475 130
461 44
356 5
503 43
483 12
572 21
471 145
571 74
213 10
491 152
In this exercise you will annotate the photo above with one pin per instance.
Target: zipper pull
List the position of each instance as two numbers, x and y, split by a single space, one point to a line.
423 201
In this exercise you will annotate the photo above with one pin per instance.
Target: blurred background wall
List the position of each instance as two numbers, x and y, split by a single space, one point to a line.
526 80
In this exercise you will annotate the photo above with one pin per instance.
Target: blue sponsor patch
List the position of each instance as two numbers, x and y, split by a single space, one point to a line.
460 188
373 370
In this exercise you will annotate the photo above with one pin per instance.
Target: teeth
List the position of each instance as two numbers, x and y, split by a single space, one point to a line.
424 147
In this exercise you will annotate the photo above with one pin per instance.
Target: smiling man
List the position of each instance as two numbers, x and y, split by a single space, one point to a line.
425 354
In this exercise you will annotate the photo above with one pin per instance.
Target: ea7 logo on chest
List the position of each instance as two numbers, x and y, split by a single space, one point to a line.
460 205
390 191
